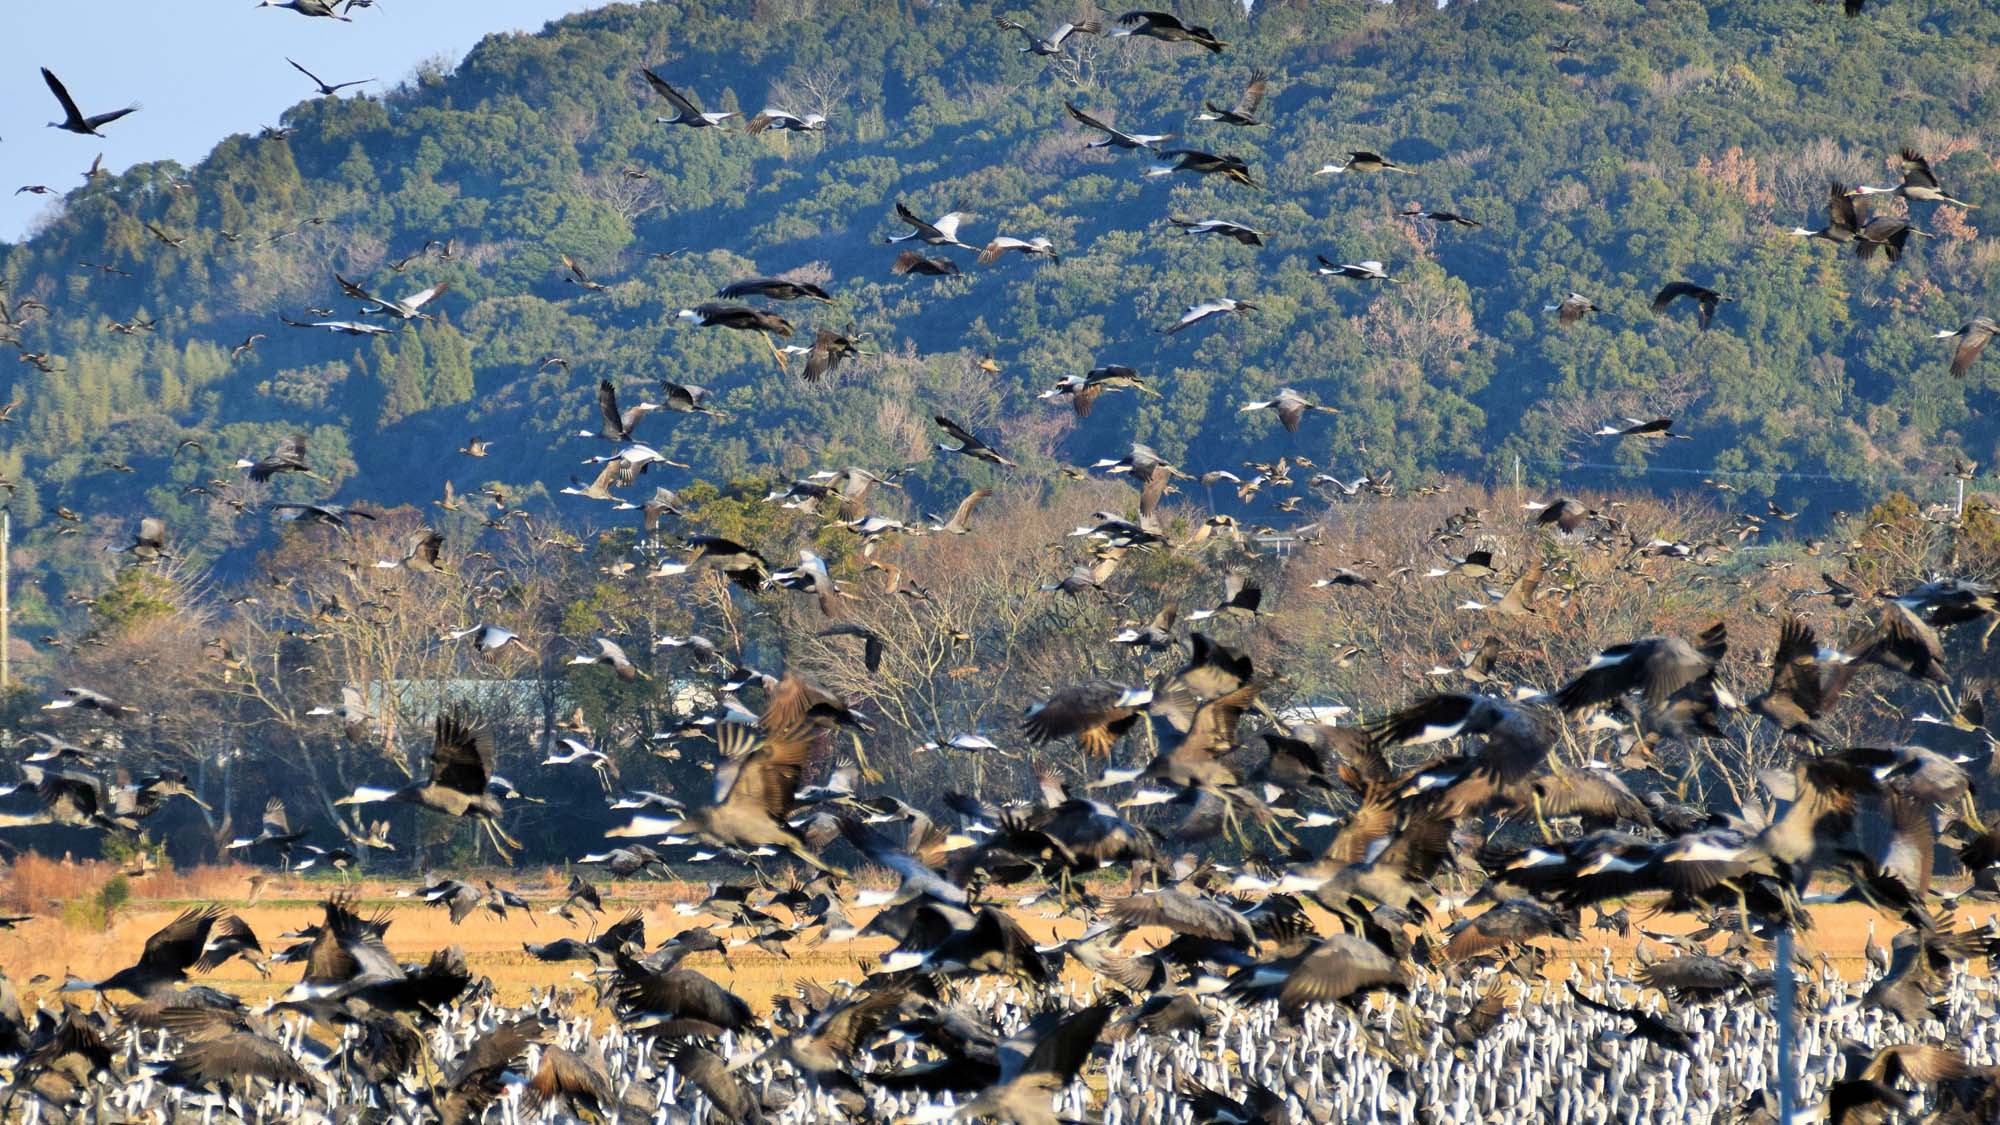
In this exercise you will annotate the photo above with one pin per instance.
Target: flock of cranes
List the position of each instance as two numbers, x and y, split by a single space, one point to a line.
1389 973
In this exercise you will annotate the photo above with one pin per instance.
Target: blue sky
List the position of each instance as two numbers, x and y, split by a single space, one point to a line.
202 70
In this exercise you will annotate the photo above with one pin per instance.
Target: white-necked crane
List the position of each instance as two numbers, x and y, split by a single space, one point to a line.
616 425
685 111
1972 337
290 457
410 307
1238 232
461 764
943 232
1887 233
1642 428
1037 246
1215 306
969 445
612 655
743 318
1843 217
1054 43
1450 218
785 121
74 120
1291 407
1361 160
1082 390
489 640
824 353
1919 182
1370 270
343 327
318 9
1115 138
686 398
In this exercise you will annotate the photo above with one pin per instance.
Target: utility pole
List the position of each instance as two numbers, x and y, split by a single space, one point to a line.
1788 1067
6 610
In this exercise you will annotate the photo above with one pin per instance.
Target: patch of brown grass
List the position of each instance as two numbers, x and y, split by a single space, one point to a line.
38 884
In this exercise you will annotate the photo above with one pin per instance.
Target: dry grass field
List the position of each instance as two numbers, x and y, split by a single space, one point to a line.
38 954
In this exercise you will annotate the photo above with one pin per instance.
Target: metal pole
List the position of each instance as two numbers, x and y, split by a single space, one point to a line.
1788 1068
6 612
1961 498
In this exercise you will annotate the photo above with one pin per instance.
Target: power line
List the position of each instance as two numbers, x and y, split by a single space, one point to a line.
1774 474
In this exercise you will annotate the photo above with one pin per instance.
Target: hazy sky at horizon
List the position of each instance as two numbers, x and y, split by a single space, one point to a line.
202 71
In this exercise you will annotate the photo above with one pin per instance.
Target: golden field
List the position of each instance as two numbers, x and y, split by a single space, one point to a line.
51 947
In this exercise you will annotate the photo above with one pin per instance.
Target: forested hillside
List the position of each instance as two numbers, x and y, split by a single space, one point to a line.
1605 150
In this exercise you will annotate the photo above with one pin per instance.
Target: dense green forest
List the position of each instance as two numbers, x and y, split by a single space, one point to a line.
1672 140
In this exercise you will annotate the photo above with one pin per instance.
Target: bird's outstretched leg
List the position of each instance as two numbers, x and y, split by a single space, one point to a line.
1541 821
500 840
1281 837
1233 826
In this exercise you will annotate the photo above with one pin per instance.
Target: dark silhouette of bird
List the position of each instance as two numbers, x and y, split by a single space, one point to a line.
1705 299
1843 218
1203 164
74 120
1114 137
1362 160
1244 112
1167 29
967 444
461 764
1972 337
326 89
